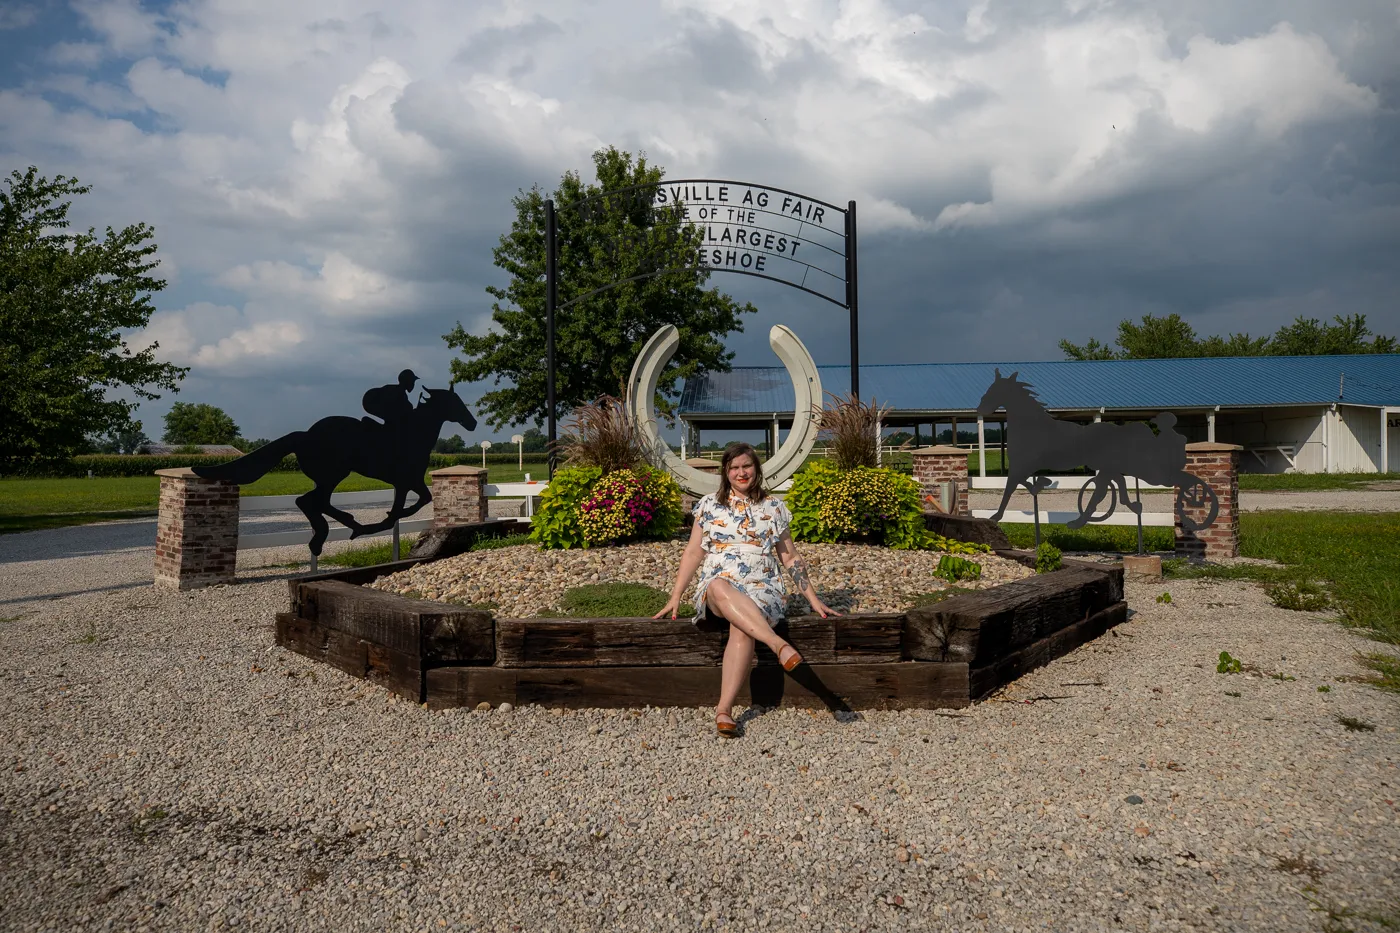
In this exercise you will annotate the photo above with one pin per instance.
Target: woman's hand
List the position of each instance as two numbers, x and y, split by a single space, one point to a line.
822 609
672 606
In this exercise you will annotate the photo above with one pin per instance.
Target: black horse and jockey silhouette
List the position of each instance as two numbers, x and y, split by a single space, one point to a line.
1043 442
395 452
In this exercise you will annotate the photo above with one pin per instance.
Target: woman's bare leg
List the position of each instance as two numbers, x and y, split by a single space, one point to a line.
738 657
743 612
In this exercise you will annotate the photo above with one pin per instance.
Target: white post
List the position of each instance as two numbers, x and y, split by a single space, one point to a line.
485 446
981 447
519 441
879 429
1210 425
1098 416
1385 440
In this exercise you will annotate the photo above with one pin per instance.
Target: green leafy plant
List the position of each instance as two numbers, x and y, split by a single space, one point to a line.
1324 689
1282 676
556 522
1048 558
1356 725
954 546
616 600
1300 596
490 544
582 507
1227 664
1233 693
869 504
1164 598
956 569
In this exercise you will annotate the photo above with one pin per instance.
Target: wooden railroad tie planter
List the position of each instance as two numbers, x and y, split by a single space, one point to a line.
946 655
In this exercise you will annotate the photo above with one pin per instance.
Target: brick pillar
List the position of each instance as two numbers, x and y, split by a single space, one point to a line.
934 465
459 496
1218 465
196 531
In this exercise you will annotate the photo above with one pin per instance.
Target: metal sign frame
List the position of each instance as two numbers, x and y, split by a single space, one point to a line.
796 205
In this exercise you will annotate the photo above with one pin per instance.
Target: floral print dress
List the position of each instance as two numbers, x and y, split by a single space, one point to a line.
741 547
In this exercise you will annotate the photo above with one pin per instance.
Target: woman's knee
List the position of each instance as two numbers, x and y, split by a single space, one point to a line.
739 636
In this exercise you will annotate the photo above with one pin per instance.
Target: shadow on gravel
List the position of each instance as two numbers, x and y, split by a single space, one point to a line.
39 597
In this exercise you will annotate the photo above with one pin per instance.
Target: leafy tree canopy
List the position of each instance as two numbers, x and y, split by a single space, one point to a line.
450 445
1170 337
597 339
123 441
199 424
64 300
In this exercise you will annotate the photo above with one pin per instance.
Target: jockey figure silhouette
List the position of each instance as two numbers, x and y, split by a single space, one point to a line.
389 402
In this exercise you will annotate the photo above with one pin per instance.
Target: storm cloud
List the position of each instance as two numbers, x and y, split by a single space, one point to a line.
327 181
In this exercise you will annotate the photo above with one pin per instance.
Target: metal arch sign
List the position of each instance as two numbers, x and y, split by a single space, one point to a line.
749 229
743 228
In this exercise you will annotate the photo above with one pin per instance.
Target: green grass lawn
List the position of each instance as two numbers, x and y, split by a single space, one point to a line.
31 504
1270 481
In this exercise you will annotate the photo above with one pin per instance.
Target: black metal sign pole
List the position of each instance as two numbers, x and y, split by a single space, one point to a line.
853 296
551 297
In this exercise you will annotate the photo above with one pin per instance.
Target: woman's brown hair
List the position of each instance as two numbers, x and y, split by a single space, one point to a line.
733 451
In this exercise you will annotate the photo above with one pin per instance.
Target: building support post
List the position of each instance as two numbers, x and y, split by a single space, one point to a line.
1385 440
1210 426
981 447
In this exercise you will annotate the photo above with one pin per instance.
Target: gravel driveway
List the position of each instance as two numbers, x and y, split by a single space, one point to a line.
165 767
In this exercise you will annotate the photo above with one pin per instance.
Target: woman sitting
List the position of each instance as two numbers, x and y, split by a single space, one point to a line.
740 534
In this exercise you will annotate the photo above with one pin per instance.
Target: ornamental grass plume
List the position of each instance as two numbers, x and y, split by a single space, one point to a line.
603 434
850 426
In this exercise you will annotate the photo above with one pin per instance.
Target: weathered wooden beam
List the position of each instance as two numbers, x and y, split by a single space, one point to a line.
986 679
831 686
864 638
982 626
436 631
396 671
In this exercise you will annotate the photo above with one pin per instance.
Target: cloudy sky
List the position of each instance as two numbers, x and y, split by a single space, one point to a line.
327 177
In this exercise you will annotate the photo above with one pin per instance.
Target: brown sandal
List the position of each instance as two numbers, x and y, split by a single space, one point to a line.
793 660
726 726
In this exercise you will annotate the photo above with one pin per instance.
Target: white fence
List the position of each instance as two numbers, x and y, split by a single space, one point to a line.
360 500
528 492
1121 515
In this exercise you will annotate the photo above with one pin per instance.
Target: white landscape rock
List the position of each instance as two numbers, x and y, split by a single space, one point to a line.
163 766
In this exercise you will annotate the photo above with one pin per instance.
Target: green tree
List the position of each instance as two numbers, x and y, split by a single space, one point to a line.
1307 337
450 445
597 339
1171 337
199 424
64 300
123 441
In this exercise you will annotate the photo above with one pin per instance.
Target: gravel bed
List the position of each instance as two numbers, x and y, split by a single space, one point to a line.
163 766
523 580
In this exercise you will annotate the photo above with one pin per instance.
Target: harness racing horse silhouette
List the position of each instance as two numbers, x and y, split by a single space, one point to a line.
334 447
1043 442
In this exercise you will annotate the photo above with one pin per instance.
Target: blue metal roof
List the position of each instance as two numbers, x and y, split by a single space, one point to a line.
1128 385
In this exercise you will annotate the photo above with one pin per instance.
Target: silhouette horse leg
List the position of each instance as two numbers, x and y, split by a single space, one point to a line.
313 504
1006 497
424 494
1134 505
396 512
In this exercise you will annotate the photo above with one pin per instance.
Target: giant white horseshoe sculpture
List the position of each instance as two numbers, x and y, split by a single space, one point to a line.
641 393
